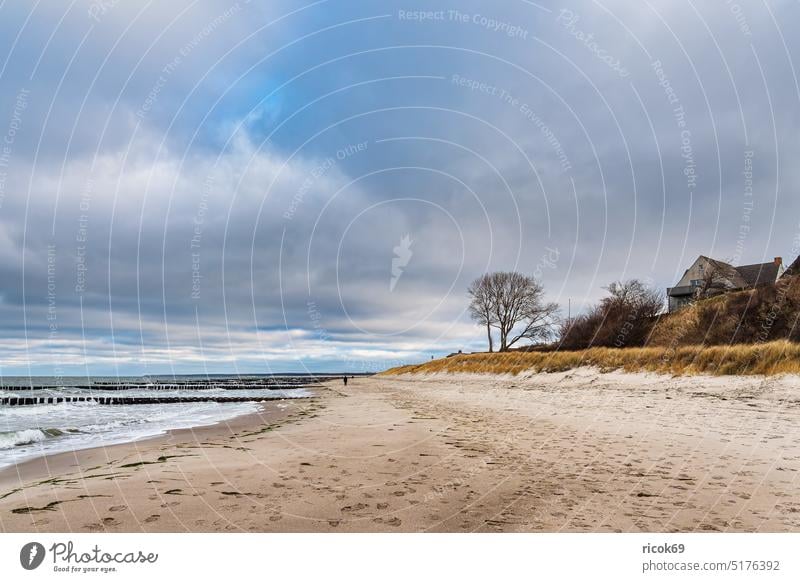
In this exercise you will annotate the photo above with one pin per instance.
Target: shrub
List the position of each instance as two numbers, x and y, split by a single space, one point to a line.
624 318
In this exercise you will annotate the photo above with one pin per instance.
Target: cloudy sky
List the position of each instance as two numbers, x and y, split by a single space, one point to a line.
196 186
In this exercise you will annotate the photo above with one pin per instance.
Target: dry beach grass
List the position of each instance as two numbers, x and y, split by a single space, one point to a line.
766 359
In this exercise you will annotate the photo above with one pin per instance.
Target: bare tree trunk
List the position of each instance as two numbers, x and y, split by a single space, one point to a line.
481 307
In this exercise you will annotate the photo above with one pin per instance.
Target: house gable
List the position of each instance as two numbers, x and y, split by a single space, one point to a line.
704 266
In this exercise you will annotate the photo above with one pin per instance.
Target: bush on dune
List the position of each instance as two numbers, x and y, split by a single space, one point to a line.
624 318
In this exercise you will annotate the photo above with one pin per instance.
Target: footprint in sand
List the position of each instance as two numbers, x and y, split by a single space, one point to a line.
152 518
383 506
394 522
356 507
118 508
107 522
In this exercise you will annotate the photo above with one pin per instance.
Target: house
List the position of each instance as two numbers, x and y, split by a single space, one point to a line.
708 277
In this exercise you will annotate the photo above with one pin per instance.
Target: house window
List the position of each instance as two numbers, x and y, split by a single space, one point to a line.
696 282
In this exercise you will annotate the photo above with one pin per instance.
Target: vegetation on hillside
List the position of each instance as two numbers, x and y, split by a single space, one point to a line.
766 313
623 318
779 357
748 332
631 316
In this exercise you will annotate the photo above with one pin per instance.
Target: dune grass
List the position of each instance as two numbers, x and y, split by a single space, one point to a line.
778 357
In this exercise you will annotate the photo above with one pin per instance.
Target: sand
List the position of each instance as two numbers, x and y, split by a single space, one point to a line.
576 451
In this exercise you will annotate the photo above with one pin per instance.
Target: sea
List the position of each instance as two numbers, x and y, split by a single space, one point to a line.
50 426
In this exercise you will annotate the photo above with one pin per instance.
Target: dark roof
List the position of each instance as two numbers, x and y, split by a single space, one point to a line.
759 273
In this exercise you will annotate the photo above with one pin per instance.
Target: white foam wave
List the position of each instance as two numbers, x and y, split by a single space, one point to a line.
23 434
9 440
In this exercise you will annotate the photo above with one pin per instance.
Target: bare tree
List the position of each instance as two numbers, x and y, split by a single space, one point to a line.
715 281
636 296
481 306
625 317
520 309
629 312
514 304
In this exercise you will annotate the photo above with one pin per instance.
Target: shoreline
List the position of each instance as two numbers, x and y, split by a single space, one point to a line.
561 452
44 465
72 466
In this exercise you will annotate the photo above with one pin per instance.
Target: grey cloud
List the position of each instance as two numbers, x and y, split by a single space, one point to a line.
246 171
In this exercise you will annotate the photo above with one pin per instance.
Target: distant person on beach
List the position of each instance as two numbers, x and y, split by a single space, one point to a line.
345 380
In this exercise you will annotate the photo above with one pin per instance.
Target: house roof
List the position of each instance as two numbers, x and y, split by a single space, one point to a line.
759 273
728 271
746 275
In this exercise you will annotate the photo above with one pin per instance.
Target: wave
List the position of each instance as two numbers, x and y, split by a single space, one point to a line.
28 436
86 425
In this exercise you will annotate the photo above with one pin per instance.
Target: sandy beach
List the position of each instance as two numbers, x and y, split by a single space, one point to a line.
574 451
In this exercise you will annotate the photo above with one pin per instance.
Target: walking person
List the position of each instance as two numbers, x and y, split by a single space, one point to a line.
345 380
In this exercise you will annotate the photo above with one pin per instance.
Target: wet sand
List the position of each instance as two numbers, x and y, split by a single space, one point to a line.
576 451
